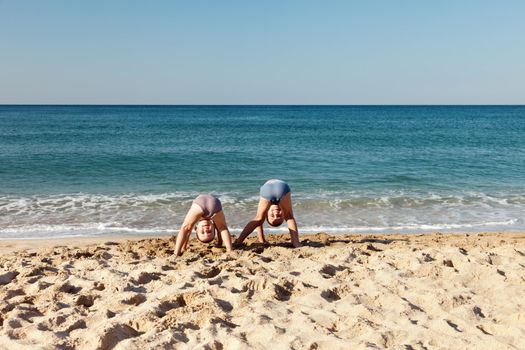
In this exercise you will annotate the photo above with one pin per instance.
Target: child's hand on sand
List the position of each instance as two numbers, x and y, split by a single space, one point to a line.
237 244
263 242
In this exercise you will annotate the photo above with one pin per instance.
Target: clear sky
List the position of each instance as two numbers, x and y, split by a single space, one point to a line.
262 52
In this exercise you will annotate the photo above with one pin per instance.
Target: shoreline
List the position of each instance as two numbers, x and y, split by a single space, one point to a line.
11 245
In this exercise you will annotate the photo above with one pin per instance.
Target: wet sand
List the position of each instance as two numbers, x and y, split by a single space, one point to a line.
432 291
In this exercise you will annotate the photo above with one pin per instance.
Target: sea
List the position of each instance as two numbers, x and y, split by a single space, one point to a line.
88 170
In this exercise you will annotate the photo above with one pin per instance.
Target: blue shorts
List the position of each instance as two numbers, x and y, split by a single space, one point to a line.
274 190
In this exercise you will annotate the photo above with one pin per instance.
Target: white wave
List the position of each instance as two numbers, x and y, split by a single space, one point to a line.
85 230
407 227
98 229
93 228
158 214
61 202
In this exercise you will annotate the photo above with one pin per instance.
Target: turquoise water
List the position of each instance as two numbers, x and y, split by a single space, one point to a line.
92 170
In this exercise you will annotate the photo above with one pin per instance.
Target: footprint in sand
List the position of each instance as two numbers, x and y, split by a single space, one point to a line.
330 295
255 284
170 304
61 324
283 292
104 255
69 288
81 254
86 300
209 272
110 336
14 293
224 305
448 303
34 279
187 310
99 286
24 312
328 271
493 259
448 263
214 344
146 277
51 323
335 294
42 285
13 323
265 259
135 299
167 268
7 277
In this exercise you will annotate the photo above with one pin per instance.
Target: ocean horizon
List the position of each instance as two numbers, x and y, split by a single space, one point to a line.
89 170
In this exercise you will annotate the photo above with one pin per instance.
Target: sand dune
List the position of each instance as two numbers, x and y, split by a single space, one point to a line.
438 291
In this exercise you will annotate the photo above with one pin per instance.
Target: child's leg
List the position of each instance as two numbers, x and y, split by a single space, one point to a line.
262 208
286 207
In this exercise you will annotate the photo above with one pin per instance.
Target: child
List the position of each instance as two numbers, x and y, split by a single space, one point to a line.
206 212
275 205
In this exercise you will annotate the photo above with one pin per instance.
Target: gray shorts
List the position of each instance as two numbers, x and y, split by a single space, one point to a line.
209 204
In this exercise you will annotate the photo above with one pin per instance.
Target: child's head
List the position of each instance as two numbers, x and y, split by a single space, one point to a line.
275 215
205 230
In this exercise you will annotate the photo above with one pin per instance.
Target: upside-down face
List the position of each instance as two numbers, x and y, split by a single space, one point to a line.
205 230
275 215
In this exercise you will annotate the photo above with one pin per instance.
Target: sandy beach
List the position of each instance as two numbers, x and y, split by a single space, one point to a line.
432 291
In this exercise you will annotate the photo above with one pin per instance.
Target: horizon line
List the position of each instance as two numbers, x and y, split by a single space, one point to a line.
262 105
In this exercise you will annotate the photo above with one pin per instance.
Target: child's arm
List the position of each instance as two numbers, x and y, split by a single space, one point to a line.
219 237
227 238
183 237
294 233
186 242
260 234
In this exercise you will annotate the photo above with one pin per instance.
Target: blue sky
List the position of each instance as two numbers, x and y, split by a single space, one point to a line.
262 52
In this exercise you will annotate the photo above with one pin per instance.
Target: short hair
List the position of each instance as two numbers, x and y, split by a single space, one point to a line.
276 223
